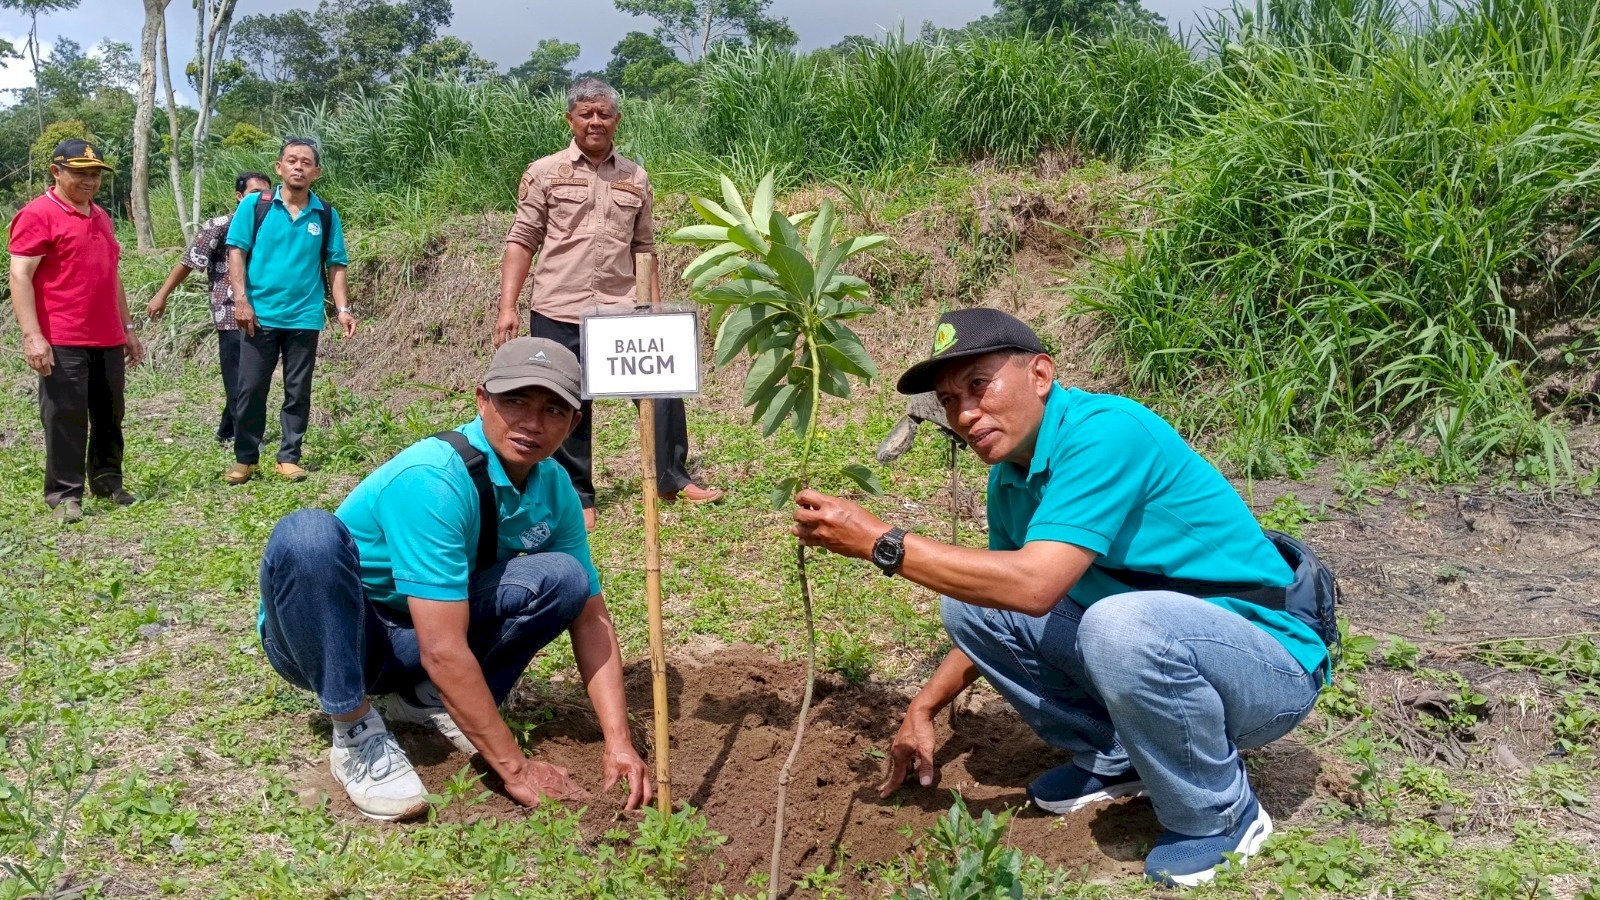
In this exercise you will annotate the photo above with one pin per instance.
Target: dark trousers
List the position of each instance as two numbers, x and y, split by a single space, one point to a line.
228 358
258 356
321 633
576 453
80 405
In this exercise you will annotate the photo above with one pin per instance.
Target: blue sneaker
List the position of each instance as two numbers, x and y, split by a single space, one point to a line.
1183 861
1067 788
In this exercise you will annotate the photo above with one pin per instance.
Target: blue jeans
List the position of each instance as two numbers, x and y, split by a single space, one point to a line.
321 633
1168 683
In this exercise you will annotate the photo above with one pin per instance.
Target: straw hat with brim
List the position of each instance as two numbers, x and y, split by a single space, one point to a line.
75 153
535 362
963 333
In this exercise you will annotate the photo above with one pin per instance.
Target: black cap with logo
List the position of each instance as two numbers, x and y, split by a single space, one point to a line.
968 332
76 153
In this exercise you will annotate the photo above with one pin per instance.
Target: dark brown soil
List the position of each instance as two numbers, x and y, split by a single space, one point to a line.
732 722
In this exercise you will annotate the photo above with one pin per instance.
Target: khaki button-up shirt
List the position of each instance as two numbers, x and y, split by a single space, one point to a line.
585 224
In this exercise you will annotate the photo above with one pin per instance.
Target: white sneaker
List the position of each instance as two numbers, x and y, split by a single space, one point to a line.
379 778
396 708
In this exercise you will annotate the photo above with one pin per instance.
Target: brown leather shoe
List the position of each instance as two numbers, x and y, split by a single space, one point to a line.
239 473
290 471
694 493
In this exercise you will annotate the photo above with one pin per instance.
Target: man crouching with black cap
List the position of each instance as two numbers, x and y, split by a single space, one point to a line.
436 582
1093 501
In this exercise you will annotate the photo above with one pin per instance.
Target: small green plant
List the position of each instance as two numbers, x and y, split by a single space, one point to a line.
784 299
1400 653
1306 866
1575 722
1379 794
1421 841
1559 784
1431 784
967 858
1342 699
1288 515
848 655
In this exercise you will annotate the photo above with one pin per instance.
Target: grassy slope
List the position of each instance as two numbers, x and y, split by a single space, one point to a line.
166 759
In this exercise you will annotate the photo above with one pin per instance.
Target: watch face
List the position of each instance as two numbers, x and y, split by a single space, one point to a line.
883 552
888 551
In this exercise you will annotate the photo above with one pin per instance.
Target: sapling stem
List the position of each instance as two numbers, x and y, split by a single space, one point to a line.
811 638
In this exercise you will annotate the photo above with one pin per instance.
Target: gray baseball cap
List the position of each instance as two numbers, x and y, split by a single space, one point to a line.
535 362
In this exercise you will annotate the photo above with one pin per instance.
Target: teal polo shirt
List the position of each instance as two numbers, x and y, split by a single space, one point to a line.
283 278
1112 477
415 520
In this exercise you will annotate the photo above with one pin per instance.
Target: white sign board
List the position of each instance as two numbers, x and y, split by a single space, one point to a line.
641 355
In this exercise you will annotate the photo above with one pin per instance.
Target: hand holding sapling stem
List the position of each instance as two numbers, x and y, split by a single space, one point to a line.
837 525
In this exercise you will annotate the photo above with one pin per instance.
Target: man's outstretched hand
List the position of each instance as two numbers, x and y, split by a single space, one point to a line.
911 752
534 781
624 762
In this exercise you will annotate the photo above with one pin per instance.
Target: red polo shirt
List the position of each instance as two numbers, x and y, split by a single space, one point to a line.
75 286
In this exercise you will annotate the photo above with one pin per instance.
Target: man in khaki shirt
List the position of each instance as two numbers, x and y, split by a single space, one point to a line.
585 211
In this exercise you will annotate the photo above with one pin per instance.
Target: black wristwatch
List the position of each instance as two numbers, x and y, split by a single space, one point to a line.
889 551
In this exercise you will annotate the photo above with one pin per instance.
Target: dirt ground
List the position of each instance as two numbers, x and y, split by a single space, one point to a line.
1443 569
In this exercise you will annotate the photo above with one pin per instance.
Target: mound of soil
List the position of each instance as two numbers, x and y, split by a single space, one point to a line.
732 713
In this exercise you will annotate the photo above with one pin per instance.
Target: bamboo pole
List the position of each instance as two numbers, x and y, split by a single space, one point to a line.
644 265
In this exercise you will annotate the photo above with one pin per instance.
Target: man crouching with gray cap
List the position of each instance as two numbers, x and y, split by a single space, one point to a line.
436 582
1128 606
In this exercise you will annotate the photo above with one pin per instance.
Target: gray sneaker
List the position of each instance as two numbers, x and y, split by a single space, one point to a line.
379 778
399 708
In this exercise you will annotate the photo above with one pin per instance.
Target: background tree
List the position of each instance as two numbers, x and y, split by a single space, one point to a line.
642 66
1077 16
693 27
451 57
155 12
548 67
32 9
283 54
372 39
212 21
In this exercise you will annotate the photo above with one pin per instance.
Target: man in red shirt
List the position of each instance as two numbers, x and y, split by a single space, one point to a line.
76 331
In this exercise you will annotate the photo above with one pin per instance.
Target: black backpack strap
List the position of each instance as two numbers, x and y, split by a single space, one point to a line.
488 515
325 213
263 206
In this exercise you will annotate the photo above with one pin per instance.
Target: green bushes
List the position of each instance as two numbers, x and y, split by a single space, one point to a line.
1369 227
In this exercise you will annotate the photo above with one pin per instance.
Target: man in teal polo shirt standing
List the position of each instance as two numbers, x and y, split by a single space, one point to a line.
282 274
1152 690
394 595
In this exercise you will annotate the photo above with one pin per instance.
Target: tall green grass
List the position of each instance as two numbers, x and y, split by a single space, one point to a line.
1369 226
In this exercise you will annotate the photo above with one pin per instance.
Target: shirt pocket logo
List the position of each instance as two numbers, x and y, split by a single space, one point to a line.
536 536
314 229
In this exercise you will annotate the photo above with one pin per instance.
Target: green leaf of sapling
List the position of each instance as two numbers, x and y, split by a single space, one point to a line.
783 492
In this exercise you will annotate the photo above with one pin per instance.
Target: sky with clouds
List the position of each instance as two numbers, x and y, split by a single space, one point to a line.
506 30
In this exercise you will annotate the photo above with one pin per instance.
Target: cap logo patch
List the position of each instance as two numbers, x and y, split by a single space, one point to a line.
539 359
88 152
944 338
